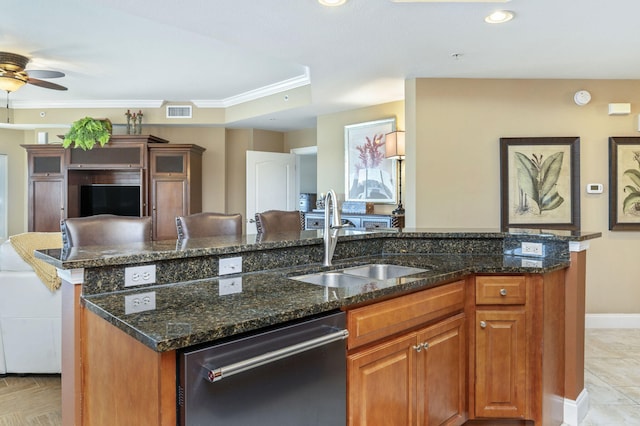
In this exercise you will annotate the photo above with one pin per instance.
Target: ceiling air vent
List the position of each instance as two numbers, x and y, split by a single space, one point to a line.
179 111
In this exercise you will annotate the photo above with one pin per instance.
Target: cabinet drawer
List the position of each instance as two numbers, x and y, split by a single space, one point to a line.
383 319
373 223
313 222
501 290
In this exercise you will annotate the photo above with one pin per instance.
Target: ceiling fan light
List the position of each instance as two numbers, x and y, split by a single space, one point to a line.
11 83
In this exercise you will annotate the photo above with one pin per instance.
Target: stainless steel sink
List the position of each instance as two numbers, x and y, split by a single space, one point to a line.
381 271
333 279
358 275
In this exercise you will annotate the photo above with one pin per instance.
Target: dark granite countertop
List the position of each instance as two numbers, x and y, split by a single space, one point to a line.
194 305
93 256
194 312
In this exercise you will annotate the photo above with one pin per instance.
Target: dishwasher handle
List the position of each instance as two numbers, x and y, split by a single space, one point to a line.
217 374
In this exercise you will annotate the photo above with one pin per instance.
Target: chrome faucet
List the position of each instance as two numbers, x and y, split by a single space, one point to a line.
332 227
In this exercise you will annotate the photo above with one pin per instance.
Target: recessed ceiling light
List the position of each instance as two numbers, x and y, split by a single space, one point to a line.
499 17
332 2
450 1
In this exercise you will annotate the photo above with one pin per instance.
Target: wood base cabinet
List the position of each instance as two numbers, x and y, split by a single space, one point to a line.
407 360
517 348
501 364
415 379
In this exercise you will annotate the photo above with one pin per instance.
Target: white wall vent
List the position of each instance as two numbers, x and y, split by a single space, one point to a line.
179 111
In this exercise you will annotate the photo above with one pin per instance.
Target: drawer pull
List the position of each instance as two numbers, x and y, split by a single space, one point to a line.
418 347
503 292
483 324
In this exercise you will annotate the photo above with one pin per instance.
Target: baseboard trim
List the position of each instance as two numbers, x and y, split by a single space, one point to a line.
612 321
576 411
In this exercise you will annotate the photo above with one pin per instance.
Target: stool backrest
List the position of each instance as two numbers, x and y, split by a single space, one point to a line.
208 224
273 221
105 230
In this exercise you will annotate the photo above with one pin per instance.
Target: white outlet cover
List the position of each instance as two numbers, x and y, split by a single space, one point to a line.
230 265
139 302
230 286
532 249
139 275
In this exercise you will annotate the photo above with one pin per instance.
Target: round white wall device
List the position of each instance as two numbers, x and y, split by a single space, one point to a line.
582 97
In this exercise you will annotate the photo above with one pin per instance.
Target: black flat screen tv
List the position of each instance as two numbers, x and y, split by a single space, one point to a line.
122 200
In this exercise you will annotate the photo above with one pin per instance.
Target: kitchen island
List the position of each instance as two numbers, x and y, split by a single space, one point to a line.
194 304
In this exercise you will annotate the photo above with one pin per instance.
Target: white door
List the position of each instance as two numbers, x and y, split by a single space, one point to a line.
271 184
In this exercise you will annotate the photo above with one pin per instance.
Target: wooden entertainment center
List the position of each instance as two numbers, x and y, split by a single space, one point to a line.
168 179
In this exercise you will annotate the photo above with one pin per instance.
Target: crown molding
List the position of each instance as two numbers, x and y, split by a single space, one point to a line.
87 104
271 89
252 95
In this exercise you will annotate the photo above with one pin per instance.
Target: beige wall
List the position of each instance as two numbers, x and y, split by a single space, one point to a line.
331 148
10 141
300 139
455 168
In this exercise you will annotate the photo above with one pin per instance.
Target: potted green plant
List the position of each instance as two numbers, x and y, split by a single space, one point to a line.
85 132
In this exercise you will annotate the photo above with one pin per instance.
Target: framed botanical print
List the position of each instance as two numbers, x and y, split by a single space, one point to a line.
369 176
539 182
624 183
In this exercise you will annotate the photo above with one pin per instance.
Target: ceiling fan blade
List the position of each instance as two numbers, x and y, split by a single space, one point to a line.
45 84
45 73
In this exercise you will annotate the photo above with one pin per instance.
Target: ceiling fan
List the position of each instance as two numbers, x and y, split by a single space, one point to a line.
13 74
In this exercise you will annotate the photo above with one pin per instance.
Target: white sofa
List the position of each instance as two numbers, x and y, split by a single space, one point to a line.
30 330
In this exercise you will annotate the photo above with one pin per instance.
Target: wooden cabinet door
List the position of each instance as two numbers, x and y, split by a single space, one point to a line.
441 373
46 204
46 188
500 363
381 384
169 198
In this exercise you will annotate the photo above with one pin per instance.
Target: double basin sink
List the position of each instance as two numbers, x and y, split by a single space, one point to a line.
358 275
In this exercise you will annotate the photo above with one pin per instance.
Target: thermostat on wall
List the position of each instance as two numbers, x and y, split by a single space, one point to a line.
594 188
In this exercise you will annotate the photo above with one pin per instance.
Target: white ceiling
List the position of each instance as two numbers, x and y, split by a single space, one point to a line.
220 52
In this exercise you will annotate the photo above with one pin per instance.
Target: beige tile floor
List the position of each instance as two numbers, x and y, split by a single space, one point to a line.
612 377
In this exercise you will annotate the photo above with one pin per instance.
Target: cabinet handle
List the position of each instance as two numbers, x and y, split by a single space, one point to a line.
503 292
425 345
483 324
418 347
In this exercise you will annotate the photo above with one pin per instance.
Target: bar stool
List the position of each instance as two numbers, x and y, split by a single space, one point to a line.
208 224
105 230
274 221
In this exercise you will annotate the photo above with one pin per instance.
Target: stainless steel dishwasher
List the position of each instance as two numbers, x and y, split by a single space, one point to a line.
293 375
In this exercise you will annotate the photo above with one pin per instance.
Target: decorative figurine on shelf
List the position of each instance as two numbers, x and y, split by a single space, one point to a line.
140 115
134 122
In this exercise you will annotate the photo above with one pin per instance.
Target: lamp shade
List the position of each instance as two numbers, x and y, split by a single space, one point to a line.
11 83
394 145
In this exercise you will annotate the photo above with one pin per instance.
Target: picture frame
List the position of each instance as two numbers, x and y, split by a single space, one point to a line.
624 183
539 183
369 176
